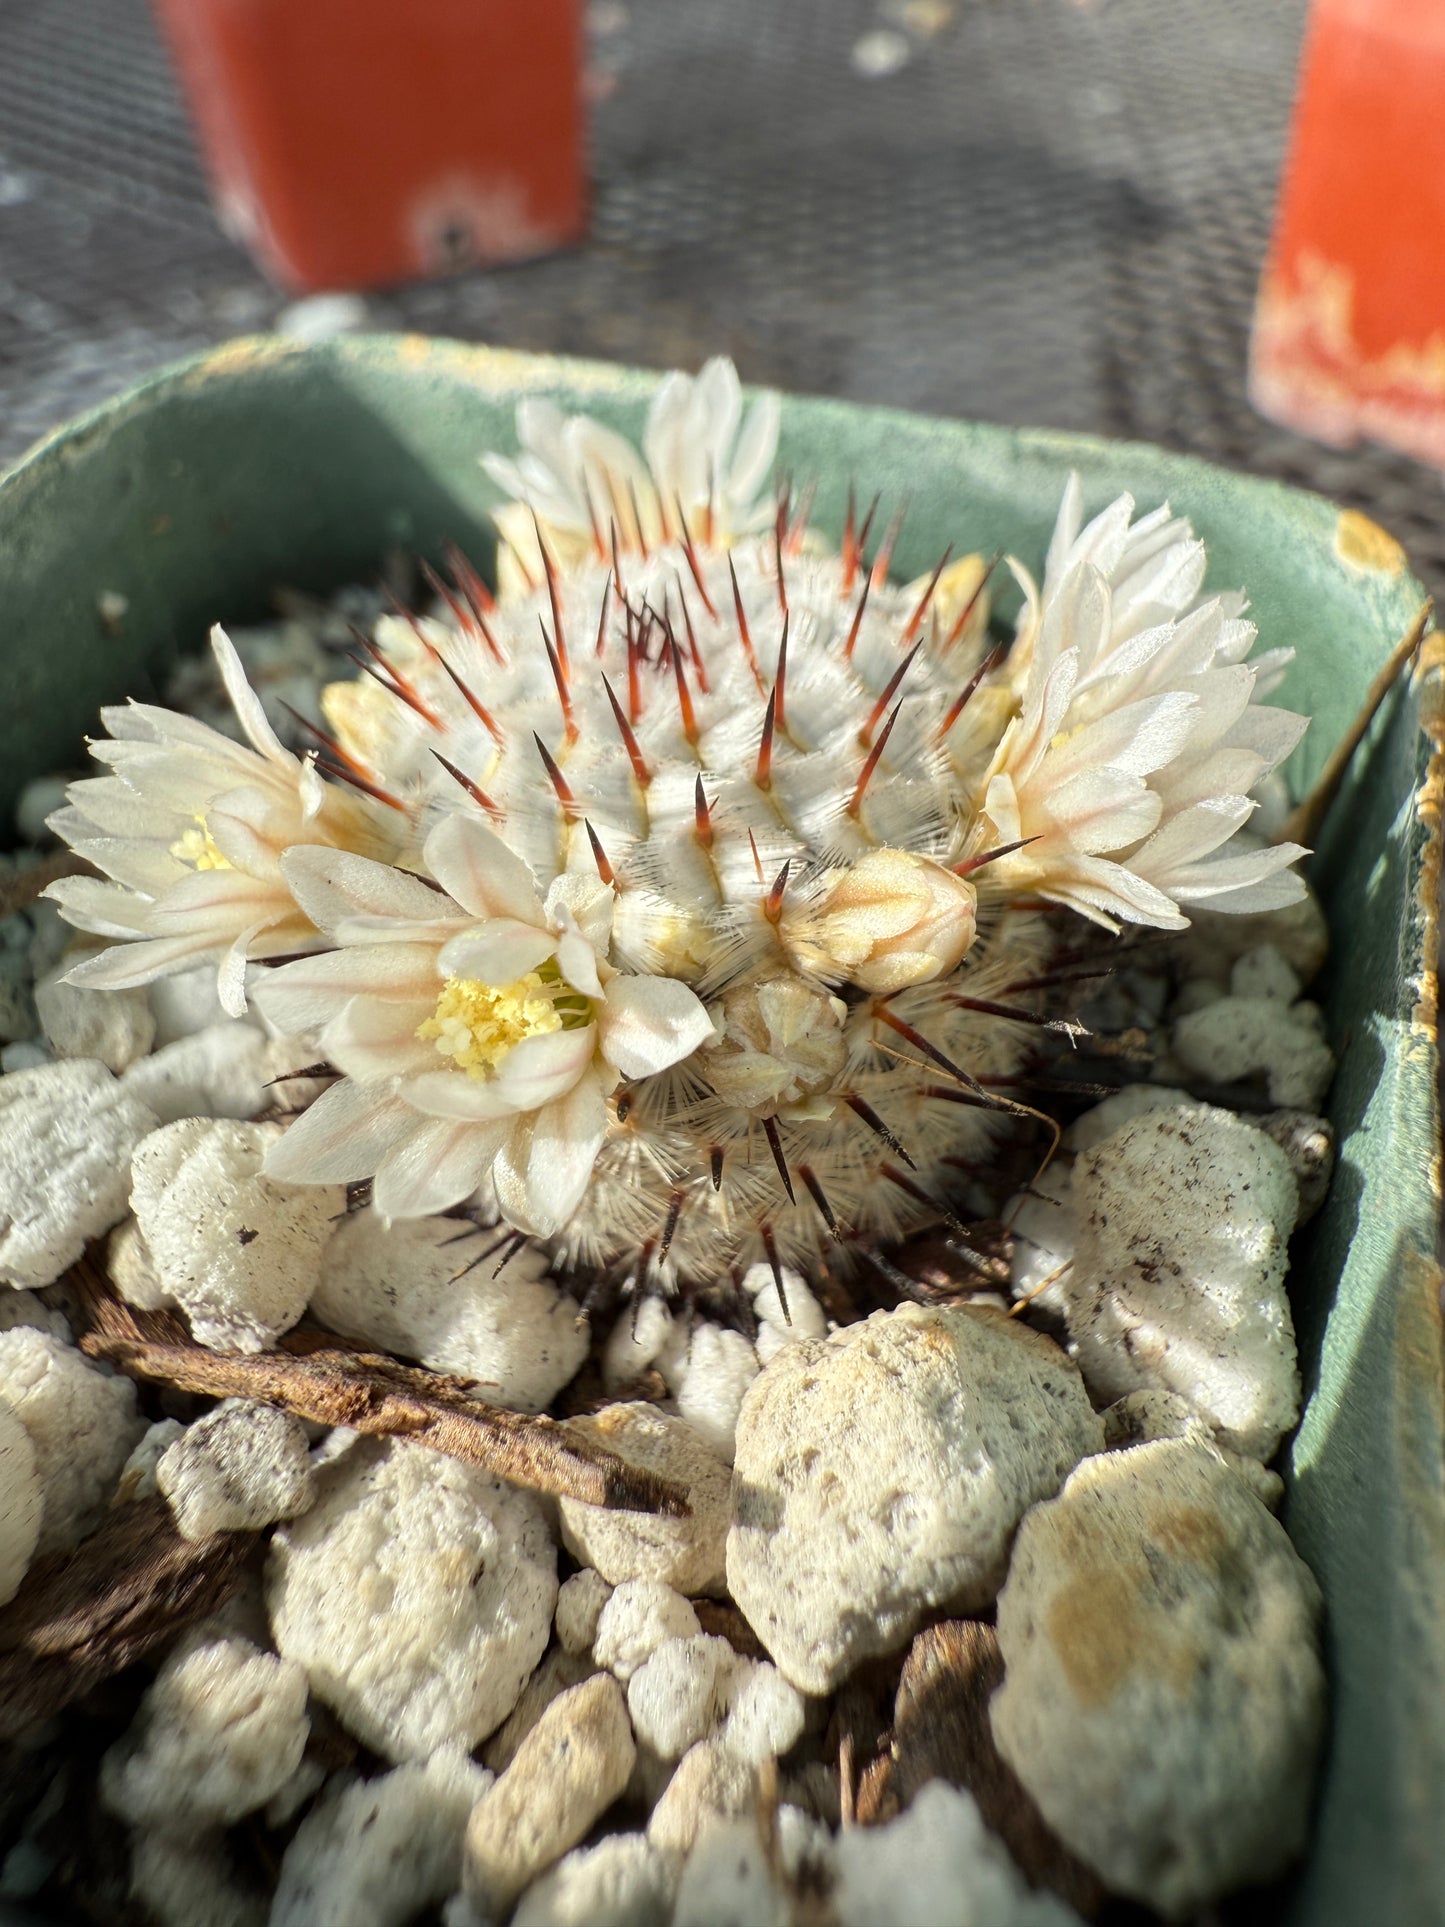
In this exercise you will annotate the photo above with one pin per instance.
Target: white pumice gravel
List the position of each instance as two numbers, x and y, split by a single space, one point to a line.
417 1593
881 1473
132 1270
1160 1643
1183 1219
680 1694
138 1474
113 1026
412 1288
711 1783
580 1602
240 1467
729 1882
644 1327
82 1422
219 1732
624 1881
686 1553
21 1499
1240 1037
566 1774
1141 1417
1308 1142
238 1252
785 1320
636 1620
374 1853
185 1003
558 1672
715 1372
766 1715
936 1865
67 1132
222 1071
19 1307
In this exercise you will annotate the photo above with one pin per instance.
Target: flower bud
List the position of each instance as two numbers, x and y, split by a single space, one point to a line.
890 921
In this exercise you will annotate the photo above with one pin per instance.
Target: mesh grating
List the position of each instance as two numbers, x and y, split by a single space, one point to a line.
1048 215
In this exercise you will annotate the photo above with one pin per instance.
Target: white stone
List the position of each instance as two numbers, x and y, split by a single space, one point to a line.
642 1329
238 1252
66 1136
417 1593
711 1783
222 1728
289 1798
728 1881
240 1467
686 1553
190 1881
579 1607
222 1071
1091 1127
18 1020
881 1473
567 1772
1299 933
1160 1642
132 1270
185 1003
24 1308
717 1369
138 1474
378 1852
407 1288
25 1054
113 1026
1184 1218
1140 1417
804 1317
1044 1231
680 1694
936 1865
1240 1036
1308 1142
635 1621
81 1421
558 1672
766 1715
621 1882
21 1500
1264 972
50 936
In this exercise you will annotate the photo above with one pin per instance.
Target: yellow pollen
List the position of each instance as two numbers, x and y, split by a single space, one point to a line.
196 848
476 1025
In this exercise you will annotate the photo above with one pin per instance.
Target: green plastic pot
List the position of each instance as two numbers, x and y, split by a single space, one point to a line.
264 463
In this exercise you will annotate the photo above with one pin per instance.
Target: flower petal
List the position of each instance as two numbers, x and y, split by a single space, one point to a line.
498 952
310 992
370 1041
435 1165
331 885
649 1023
452 1094
246 703
341 1137
543 1068
566 1138
474 865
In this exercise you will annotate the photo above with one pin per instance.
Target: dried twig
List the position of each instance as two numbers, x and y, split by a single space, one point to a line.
319 1378
1302 825
87 1613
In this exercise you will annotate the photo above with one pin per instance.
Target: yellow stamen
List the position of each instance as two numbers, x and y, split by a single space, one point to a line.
476 1025
197 848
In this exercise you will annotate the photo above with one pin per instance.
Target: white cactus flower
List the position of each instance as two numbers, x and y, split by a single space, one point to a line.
480 1029
190 828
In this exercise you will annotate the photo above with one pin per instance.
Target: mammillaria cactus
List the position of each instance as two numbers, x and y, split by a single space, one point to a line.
686 903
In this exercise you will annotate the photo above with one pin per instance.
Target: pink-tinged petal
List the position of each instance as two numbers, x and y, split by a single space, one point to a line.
105 909
331 885
370 1041
222 900
343 1136
566 1138
577 961
474 865
237 824
374 931
543 1068
246 703
453 1094
231 972
434 1166
509 1172
308 993
497 953
650 1023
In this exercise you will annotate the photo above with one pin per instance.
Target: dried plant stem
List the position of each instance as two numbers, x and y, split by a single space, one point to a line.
1302 825
19 891
318 1378
85 1614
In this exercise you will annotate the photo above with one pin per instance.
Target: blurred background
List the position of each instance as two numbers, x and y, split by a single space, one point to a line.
1020 210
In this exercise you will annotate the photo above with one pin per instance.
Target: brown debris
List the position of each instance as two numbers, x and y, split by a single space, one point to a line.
941 1731
87 1613
316 1377
19 891
721 1618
